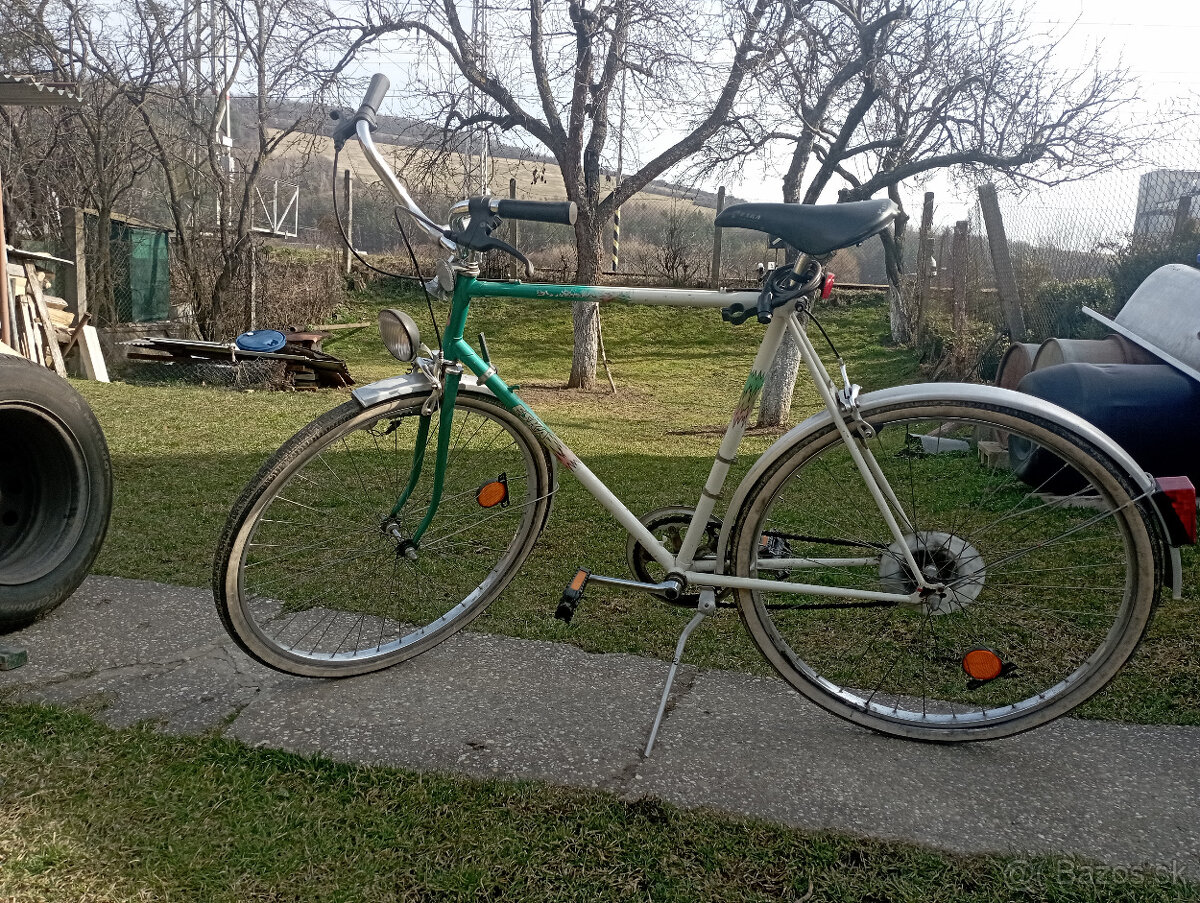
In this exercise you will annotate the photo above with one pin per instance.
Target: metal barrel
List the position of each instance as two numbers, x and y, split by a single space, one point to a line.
1016 362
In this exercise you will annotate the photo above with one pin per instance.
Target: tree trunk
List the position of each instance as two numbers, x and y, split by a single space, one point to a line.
893 256
775 404
585 317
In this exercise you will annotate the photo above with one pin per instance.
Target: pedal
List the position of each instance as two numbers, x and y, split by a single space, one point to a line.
572 596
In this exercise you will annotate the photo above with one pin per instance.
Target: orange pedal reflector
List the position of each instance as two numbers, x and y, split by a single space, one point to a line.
579 580
982 664
494 493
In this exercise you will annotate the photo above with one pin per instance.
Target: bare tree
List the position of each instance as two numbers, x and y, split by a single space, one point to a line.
91 155
905 90
144 59
553 73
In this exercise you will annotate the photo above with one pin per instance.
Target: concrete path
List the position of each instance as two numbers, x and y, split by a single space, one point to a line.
493 706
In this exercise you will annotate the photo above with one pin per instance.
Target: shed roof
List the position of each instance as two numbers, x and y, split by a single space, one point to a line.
27 91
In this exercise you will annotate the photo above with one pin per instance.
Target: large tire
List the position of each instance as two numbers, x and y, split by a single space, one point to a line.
55 491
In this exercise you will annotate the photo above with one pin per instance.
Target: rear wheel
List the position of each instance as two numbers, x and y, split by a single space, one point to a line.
311 574
1045 595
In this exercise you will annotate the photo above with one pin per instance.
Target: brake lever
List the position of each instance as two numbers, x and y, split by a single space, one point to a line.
478 234
491 243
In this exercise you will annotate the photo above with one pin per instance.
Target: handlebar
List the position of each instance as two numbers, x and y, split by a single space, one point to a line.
562 213
364 121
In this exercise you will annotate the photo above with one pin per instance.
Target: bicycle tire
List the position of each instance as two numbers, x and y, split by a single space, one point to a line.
328 591
1059 588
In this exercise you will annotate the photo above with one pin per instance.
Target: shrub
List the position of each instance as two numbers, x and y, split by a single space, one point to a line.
1142 255
1056 311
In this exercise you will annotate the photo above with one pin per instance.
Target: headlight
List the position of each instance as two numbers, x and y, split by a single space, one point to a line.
400 334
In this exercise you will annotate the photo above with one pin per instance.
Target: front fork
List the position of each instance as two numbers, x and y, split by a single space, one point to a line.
443 398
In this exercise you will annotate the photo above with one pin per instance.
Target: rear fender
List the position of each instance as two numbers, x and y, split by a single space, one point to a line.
926 392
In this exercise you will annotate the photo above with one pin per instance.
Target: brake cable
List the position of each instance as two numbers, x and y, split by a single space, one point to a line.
337 218
417 269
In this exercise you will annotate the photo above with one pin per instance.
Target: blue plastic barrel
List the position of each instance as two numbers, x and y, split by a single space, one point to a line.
1151 410
261 340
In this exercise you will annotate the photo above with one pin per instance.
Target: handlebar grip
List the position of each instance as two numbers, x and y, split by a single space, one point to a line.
376 91
563 213
375 94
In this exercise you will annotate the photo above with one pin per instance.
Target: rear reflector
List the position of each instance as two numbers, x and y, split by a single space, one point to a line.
827 288
1177 504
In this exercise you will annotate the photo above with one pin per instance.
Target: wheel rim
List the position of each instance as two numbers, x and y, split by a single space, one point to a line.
1048 584
44 494
322 577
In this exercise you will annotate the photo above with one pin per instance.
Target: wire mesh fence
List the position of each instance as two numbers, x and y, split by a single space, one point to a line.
1082 244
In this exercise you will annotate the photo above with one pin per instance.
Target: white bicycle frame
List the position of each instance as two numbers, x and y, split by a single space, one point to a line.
684 564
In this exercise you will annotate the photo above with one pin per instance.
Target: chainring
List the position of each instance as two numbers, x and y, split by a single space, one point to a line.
669 526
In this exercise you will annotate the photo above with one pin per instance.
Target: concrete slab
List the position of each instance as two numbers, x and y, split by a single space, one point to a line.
481 705
1121 794
132 651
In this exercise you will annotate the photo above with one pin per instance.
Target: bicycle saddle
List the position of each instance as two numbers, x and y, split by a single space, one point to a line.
814 229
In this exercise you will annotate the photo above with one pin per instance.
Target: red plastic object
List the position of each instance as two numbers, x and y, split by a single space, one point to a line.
827 288
1182 494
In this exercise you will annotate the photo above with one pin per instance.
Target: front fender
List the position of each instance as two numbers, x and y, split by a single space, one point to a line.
950 392
410 384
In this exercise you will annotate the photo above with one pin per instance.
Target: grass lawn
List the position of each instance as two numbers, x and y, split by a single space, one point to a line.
182 454
91 814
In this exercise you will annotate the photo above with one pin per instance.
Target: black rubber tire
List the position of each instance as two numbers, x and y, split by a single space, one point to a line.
55 491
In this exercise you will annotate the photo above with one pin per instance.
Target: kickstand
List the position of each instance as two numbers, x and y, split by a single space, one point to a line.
707 606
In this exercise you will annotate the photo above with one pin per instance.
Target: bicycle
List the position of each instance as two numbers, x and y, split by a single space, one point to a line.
939 562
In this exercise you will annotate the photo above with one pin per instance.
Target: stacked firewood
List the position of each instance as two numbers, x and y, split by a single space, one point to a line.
41 327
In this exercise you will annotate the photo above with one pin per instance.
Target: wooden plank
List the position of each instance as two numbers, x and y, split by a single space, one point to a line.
20 254
29 335
331 326
1002 266
7 327
44 321
62 318
91 355
75 333
55 303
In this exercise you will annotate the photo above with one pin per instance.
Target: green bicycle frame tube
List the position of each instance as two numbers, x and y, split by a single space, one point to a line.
455 350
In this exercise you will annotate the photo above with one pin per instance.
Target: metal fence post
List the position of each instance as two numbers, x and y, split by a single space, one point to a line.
1006 277
515 233
714 274
349 193
924 255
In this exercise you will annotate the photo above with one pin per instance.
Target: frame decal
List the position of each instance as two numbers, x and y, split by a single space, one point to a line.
750 393
546 436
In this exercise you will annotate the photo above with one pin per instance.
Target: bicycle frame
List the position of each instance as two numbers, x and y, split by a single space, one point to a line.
458 354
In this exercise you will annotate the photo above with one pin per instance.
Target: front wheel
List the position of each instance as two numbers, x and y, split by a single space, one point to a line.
312 576
1049 575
